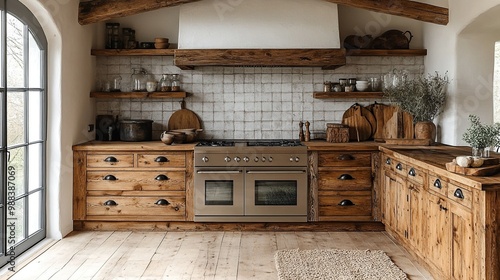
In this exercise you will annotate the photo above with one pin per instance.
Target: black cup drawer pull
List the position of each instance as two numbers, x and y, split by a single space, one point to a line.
110 159
346 177
345 157
110 203
161 177
412 172
459 194
399 166
437 184
346 202
162 202
388 161
110 178
161 159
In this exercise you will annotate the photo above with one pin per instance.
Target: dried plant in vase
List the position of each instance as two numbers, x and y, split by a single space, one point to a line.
481 136
423 97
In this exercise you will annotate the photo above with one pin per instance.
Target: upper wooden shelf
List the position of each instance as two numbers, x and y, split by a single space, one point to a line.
400 52
132 52
174 94
347 95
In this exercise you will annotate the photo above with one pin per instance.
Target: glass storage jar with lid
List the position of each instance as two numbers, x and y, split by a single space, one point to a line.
176 82
139 79
165 83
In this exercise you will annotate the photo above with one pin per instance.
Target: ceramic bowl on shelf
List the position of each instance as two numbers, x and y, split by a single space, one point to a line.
361 85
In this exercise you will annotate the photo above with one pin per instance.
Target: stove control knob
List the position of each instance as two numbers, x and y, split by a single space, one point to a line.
246 159
227 159
291 159
297 159
237 159
263 159
256 159
270 159
204 159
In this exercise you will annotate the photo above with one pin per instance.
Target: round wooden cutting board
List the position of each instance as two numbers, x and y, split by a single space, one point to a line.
184 118
361 122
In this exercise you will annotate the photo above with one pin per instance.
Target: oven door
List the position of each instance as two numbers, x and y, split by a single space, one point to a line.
276 191
218 191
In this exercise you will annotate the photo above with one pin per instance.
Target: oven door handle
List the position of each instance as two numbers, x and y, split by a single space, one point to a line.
219 172
277 172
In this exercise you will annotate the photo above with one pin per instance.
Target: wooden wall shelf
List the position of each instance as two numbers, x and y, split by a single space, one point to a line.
132 52
176 94
347 95
402 52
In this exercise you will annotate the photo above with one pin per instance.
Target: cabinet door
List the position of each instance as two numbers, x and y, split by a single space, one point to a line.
402 207
418 221
462 243
438 234
389 202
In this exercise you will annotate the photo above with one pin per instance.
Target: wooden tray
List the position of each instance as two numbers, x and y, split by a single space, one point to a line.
487 169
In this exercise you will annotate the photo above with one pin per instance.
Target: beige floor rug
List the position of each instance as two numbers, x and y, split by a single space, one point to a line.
336 264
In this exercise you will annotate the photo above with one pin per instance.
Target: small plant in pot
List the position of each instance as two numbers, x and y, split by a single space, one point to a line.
481 136
423 97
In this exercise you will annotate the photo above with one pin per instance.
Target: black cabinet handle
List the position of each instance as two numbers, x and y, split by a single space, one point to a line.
346 202
110 178
345 157
437 184
161 159
388 161
459 194
345 177
162 202
110 203
110 159
161 177
412 172
443 208
399 166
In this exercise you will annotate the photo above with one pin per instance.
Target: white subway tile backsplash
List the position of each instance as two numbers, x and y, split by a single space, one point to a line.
246 102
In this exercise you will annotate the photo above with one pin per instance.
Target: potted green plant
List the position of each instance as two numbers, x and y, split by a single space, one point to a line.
423 97
481 136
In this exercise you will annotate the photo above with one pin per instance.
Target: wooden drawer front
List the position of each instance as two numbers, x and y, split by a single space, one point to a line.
416 175
345 203
162 160
345 159
400 168
110 160
136 181
460 194
388 163
135 206
437 184
345 179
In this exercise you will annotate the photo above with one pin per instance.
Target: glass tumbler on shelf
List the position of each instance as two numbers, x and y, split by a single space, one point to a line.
165 83
176 82
138 79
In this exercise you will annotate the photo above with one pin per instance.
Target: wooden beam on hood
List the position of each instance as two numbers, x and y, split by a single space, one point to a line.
102 10
409 9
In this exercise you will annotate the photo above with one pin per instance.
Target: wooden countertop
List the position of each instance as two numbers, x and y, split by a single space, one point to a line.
434 159
131 146
321 145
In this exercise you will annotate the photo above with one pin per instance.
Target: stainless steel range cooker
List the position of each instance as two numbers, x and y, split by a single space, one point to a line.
250 181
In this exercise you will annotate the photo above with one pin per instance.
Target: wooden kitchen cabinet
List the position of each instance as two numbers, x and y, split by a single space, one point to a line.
125 182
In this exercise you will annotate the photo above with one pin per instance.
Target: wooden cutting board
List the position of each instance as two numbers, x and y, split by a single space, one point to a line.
480 171
360 128
392 123
365 112
184 118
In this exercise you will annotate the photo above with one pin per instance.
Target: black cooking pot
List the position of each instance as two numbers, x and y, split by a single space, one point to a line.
136 130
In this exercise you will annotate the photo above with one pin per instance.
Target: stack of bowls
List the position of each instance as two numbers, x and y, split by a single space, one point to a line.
361 85
161 43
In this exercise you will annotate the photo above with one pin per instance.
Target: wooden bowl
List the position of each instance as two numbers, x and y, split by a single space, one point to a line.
162 45
161 40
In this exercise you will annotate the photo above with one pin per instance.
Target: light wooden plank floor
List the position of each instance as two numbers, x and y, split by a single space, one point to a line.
193 255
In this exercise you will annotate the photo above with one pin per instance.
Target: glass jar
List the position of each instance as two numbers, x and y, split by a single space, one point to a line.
165 83
126 37
176 82
151 83
116 83
109 35
116 43
138 79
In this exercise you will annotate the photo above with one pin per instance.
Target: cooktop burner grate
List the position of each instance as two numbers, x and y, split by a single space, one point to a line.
250 143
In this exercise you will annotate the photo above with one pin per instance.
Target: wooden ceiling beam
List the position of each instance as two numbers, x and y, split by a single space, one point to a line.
409 9
101 10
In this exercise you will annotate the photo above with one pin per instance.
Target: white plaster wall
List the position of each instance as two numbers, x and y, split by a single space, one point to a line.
468 58
69 107
258 24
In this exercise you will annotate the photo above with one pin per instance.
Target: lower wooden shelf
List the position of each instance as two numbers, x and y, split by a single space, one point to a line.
347 95
173 94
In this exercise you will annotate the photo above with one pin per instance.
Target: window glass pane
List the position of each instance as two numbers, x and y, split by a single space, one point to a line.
15 220
35 215
35 63
15 52
15 118
34 166
15 169
35 114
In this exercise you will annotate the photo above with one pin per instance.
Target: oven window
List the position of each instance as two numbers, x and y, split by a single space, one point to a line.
275 192
219 192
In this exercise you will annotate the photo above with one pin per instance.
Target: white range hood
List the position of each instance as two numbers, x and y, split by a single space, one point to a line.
259 24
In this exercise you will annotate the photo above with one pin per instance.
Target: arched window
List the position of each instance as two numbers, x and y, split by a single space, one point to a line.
23 103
